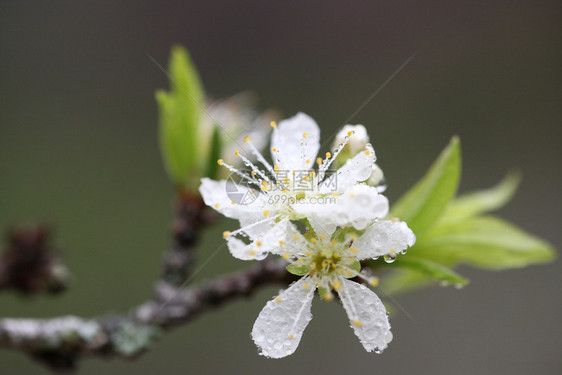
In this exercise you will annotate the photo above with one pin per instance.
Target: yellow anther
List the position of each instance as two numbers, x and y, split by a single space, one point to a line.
246 139
258 242
349 133
353 236
300 260
313 240
322 236
276 168
225 234
253 173
217 205
281 243
265 213
295 236
336 255
335 194
313 266
340 271
286 256
278 300
334 243
307 161
367 153
273 124
357 323
252 252
305 135
274 149
348 272
392 252
374 281
394 219
336 285
236 152
285 191
353 250
328 155
351 195
318 160
291 336
305 286
219 162
328 297
232 202
308 253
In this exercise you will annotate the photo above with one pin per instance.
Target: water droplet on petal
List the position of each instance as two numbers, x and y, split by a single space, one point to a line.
389 258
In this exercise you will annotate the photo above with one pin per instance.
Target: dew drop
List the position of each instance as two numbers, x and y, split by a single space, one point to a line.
389 258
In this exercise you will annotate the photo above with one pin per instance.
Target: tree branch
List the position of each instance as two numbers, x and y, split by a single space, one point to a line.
60 342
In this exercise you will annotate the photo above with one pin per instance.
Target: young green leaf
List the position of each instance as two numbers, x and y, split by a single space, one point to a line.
474 203
180 114
422 205
485 242
434 270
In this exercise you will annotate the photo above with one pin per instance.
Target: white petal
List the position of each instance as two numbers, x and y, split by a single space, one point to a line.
215 195
288 138
384 237
281 323
358 207
280 238
356 169
367 315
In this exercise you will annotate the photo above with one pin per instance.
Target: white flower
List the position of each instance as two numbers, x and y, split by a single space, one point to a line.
328 263
355 145
292 190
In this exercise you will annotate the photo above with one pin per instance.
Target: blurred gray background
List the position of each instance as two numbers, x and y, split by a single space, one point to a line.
79 150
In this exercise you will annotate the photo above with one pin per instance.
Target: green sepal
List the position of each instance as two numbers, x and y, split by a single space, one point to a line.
323 292
356 267
422 205
298 269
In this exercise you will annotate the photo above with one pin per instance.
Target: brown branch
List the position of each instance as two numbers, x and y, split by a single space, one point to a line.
60 342
29 265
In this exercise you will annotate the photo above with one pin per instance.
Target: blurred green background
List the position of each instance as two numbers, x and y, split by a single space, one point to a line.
79 150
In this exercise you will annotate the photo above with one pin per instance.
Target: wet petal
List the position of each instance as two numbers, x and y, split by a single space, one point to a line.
367 315
281 323
382 238
281 238
219 195
358 207
296 141
357 169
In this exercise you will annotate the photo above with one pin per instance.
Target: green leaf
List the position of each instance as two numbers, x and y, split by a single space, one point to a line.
474 203
214 154
404 280
434 270
180 115
422 205
298 269
485 242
